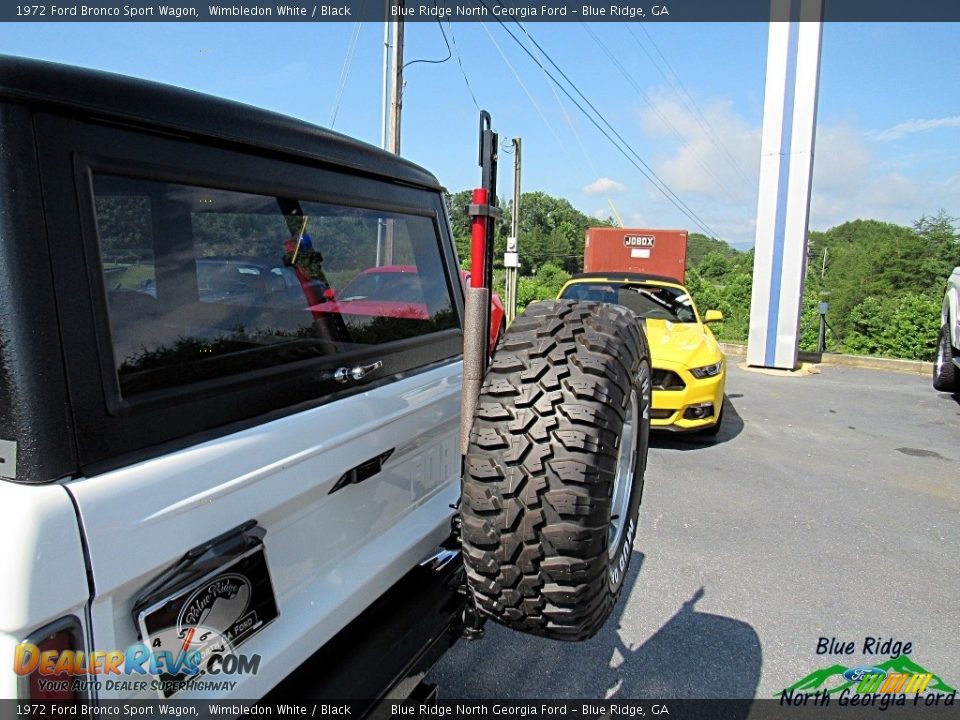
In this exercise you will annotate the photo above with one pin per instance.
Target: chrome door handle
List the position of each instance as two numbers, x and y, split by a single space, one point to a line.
358 372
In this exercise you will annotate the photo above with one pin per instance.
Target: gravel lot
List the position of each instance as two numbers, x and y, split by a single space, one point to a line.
829 506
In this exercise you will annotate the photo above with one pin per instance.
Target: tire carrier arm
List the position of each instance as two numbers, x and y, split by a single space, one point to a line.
476 335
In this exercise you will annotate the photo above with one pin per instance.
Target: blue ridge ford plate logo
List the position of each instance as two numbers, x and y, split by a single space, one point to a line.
218 603
215 614
857 674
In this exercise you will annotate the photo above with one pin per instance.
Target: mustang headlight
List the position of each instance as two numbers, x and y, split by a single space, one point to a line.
707 370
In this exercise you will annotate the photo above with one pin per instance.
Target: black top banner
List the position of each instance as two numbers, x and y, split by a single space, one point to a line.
634 11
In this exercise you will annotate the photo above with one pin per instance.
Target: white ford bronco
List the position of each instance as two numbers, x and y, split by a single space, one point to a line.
231 371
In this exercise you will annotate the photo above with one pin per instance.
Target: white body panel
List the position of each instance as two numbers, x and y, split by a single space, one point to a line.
330 556
41 568
783 204
951 307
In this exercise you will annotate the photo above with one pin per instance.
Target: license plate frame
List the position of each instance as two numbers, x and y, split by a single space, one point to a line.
215 615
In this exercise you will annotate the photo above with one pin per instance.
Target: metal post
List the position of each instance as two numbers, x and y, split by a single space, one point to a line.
476 324
822 336
511 259
511 263
489 145
396 106
384 112
515 220
385 80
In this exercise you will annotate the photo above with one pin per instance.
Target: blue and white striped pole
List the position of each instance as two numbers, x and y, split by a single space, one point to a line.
786 166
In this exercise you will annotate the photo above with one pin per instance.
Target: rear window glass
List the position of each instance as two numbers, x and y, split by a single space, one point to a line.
646 301
204 283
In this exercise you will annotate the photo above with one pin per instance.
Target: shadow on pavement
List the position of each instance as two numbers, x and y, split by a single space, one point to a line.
693 655
731 427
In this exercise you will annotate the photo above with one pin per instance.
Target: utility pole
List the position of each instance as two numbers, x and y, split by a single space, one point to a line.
392 90
385 79
511 259
396 88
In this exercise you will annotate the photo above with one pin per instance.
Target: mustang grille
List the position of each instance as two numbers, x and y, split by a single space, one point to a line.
667 380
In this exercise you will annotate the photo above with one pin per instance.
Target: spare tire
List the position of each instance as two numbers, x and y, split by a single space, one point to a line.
554 470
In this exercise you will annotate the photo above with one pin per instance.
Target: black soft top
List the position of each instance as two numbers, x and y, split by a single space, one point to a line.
96 94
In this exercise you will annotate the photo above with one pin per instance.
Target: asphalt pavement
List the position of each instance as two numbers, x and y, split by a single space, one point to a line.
827 507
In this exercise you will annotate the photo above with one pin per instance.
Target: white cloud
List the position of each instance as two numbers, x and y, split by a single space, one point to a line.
912 126
842 169
718 153
849 182
737 230
891 197
853 177
952 185
604 186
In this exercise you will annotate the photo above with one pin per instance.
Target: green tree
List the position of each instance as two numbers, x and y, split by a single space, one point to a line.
461 223
545 285
903 326
715 265
552 231
869 258
700 245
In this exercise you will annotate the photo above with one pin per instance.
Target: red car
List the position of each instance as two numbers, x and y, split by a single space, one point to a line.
394 291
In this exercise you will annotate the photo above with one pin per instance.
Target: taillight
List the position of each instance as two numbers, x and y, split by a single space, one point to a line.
59 636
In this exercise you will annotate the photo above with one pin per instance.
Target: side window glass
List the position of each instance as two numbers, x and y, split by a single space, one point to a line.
126 243
204 283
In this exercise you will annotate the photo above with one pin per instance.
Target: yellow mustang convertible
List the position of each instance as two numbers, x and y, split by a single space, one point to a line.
689 369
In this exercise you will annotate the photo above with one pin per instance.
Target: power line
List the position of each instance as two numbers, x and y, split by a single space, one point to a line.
620 143
345 71
652 176
676 84
530 97
622 146
569 120
636 86
434 62
463 72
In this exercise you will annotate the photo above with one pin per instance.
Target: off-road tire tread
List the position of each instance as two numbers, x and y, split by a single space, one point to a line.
541 463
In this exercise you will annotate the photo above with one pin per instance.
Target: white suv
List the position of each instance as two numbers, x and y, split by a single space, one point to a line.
212 470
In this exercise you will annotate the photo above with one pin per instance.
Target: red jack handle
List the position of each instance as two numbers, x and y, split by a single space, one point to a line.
478 241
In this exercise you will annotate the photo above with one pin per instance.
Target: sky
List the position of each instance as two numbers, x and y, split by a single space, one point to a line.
687 97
